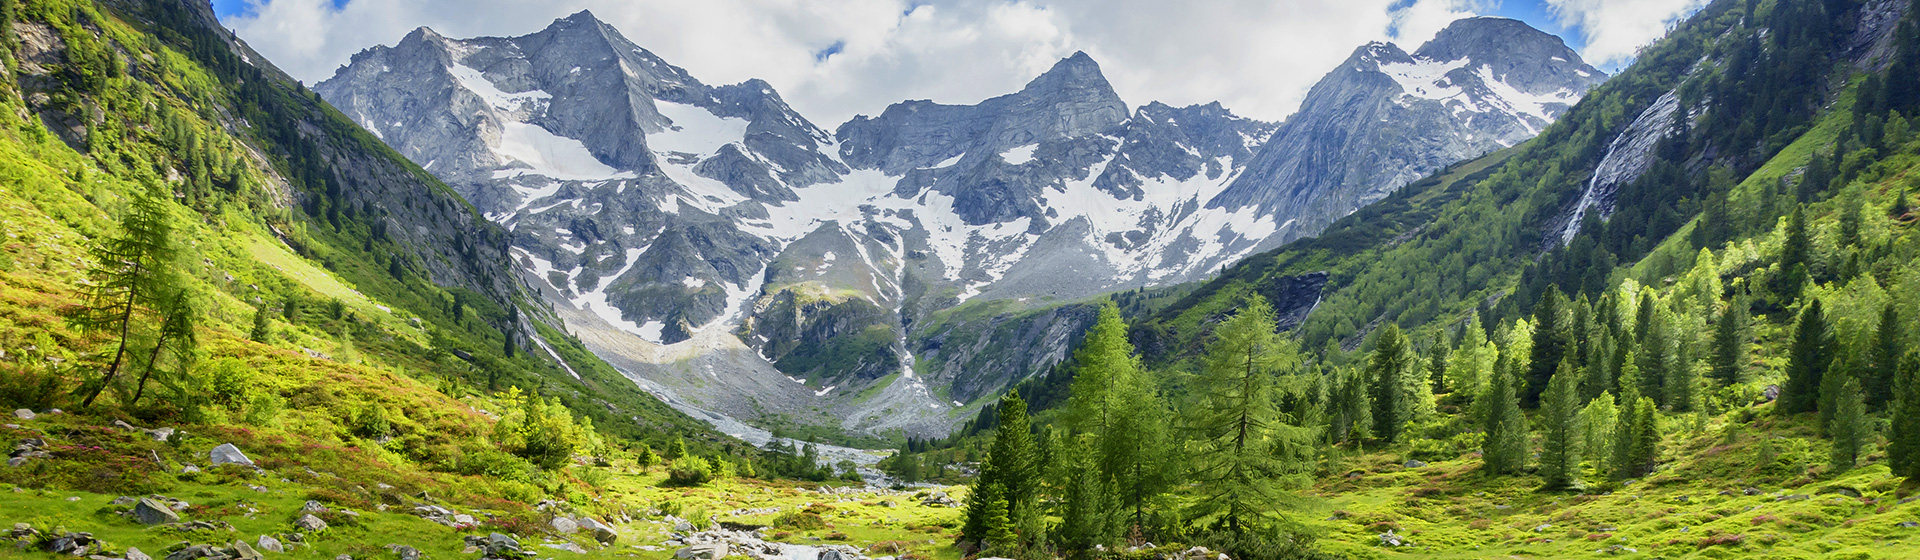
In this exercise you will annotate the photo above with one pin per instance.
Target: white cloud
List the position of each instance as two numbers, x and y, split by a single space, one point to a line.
1616 29
1258 57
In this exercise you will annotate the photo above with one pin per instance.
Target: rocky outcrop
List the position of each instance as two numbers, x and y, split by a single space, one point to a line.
1386 117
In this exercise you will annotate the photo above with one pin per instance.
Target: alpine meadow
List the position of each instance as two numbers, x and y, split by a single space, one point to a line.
549 295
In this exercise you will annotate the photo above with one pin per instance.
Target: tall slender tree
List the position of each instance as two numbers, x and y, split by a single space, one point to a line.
1398 387
1552 338
1732 337
1560 416
1903 439
1883 364
1505 424
1009 476
176 339
1849 427
132 271
1807 361
1239 434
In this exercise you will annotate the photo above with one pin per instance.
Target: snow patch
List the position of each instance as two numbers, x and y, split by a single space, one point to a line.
1019 154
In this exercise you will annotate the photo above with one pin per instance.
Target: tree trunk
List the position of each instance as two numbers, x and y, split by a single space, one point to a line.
126 323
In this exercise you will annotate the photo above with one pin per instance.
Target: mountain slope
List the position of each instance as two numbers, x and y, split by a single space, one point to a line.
707 233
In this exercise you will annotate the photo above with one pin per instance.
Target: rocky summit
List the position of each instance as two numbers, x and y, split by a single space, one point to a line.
689 233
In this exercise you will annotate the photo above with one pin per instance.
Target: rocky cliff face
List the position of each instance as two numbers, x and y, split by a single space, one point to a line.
1386 117
720 247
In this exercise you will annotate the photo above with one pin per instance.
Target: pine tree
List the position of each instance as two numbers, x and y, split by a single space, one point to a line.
1903 441
1398 388
1849 427
1505 424
1883 363
1239 434
1807 361
132 271
1551 340
1560 414
1731 338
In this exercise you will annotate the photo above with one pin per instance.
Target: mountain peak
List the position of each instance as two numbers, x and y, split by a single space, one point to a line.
1489 38
1076 76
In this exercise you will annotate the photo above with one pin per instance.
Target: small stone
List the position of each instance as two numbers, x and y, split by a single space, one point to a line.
135 554
186 469
1415 463
161 434
405 552
565 526
246 551
716 551
226 453
125 501
16 461
152 512
605 535
1907 524
23 414
313 507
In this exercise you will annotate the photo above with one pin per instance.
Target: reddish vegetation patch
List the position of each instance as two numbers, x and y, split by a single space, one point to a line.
1721 540
1599 536
1763 519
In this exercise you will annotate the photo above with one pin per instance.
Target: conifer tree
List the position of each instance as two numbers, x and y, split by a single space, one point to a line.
131 272
1399 388
262 325
1466 368
1560 415
1794 259
996 524
1731 338
1113 402
1011 461
1239 434
1352 414
1883 363
1087 515
176 339
1597 421
1849 427
1505 424
1807 361
1625 431
1437 355
1645 438
1903 440
1900 206
1600 370
1551 340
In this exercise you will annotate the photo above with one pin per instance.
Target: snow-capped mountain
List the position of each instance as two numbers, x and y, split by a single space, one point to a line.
1385 117
726 251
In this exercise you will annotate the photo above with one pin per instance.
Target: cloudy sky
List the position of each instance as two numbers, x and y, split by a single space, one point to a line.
832 59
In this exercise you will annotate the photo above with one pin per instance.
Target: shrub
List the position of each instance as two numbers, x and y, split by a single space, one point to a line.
690 471
799 520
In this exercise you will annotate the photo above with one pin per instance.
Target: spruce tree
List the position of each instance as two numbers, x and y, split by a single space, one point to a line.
1505 424
1560 416
1807 361
1900 206
1883 362
262 325
1903 440
1794 259
1849 427
1731 338
1088 511
1238 432
131 272
1437 355
1352 413
1012 457
1625 431
1600 371
1551 340
996 524
1645 440
1398 387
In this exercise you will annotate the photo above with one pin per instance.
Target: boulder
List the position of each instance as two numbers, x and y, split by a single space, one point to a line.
313 507
135 554
226 453
23 414
160 434
605 535
1415 463
404 552
244 551
270 544
832 554
564 526
310 523
151 511
716 551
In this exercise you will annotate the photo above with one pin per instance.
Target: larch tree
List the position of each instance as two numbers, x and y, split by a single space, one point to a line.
132 272
1239 435
1597 422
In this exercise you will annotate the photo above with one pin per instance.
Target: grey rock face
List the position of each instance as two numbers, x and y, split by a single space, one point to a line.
1386 117
671 220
